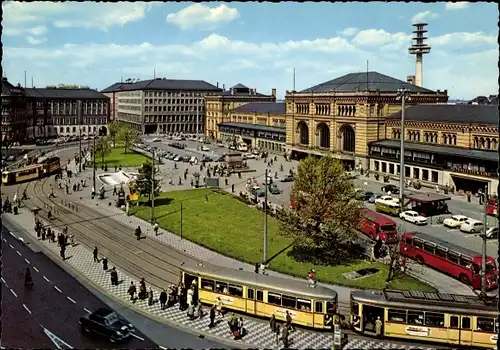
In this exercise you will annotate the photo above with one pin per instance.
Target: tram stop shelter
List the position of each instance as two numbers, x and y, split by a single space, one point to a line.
427 204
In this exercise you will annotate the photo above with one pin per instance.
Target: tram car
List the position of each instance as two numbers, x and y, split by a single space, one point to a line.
457 320
263 295
45 166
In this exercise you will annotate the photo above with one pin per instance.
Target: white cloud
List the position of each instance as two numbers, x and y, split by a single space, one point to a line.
456 5
379 37
39 30
349 31
202 16
460 39
35 41
424 16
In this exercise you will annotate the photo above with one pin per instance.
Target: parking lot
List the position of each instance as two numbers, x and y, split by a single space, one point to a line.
455 205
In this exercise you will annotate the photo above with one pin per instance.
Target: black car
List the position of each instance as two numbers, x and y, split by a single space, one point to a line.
364 195
288 178
207 159
390 188
107 323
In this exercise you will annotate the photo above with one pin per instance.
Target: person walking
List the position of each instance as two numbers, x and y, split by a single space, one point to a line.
114 277
132 290
105 264
151 297
272 323
163 299
278 331
212 317
63 252
190 311
200 311
289 322
96 252
378 327
284 337
138 232
155 228
219 307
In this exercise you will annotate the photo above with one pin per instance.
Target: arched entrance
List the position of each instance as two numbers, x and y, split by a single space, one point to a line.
347 139
323 132
103 131
303 131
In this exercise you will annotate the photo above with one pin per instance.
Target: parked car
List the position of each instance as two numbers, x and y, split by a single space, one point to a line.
471 226
413 217
385 198
205 148
107 323
248 156
287 178
390 188
492 233
274 189
363 195
374 197
206 159
178 159
455 221
256 190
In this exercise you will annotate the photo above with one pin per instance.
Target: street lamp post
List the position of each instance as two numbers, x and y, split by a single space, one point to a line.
79 116
403 95
153 189
265 219
94 165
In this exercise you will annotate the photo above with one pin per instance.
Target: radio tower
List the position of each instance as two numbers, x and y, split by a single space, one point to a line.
419 48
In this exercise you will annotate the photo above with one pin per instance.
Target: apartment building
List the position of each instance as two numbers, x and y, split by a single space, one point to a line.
16 112
161 105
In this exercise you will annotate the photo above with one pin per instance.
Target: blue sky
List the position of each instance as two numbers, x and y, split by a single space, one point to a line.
257 44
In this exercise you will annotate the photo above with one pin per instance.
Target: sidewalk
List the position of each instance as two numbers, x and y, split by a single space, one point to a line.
259 335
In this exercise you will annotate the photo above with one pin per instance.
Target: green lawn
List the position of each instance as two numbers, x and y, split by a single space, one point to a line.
230 227
117 157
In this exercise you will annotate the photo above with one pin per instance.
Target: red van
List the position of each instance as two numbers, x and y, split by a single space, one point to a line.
376 225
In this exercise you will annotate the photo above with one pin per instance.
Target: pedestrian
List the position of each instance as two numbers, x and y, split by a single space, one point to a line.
151 297
212 317
284 337
289 322
272 323
206 198
219 307
142 289
241 329
378 327
163 299
63 252
278 330
190 311
105 264
114 277
114 190
138 232
155 228
312 281
132 290
43 233
200 311
96 252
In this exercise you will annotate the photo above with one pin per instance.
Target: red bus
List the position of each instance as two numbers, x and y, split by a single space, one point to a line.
376 225
461 263
492 206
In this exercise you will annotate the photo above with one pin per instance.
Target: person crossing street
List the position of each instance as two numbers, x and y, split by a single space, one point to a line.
96 254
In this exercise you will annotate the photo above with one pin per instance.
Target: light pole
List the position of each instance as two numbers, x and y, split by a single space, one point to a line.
403 95
153 189
485 222
79 116
94 165
197 123
265 220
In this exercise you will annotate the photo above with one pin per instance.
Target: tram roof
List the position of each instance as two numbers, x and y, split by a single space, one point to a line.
263 281
28 167
425 301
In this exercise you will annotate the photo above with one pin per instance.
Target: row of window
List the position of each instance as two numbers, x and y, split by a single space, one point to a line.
178 101
74 121
284 300
172 108
391 168
439 251
173 119
171 94
433 319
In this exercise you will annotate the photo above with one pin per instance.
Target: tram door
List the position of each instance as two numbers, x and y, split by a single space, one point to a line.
460 330
250 301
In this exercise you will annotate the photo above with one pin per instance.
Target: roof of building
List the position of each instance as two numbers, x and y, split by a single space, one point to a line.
364 81
58 93
440 149
262 108
163 84
256 127
8 88
239 86
427 197
445 113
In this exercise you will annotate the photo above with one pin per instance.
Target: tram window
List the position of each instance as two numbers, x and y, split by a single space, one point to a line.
260 295
395 315
453 257
433 319
354 308
304 305
441 252
409 241
476 268
288 301
454 322
428 247
207 284
250 293
318 306
235 291
221 287
416 317
485 324
274 298
330 307
418 243
465 322
465 262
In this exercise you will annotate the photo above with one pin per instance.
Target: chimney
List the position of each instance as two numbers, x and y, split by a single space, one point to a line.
410 79
232 91
273 93
217 84
223 87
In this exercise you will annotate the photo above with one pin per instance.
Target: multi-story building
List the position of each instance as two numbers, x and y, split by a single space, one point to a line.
258 124
112 93
161 105
219 106
68 112
445 145
16 112
340 117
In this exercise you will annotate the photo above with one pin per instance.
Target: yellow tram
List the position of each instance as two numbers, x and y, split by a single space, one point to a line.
263 295
435 317
44 167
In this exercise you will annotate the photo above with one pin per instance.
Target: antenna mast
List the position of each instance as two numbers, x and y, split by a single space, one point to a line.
294 79
419 48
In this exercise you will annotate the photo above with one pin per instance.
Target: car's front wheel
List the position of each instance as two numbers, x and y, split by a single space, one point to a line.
112 339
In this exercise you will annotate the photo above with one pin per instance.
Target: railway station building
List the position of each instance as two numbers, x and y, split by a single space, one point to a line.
160 105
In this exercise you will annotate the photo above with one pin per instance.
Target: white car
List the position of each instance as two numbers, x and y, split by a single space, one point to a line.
385 198
156 140
249 156
413 217
455 221
269 181
205 148
472 226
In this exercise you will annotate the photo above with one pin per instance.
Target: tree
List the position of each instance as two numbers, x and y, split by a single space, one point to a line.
128 136
398 264
114 129
102 147
145 181
325 214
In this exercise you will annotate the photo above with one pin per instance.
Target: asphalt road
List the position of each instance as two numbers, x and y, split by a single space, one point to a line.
56 310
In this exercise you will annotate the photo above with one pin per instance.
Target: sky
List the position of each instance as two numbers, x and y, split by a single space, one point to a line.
256 44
